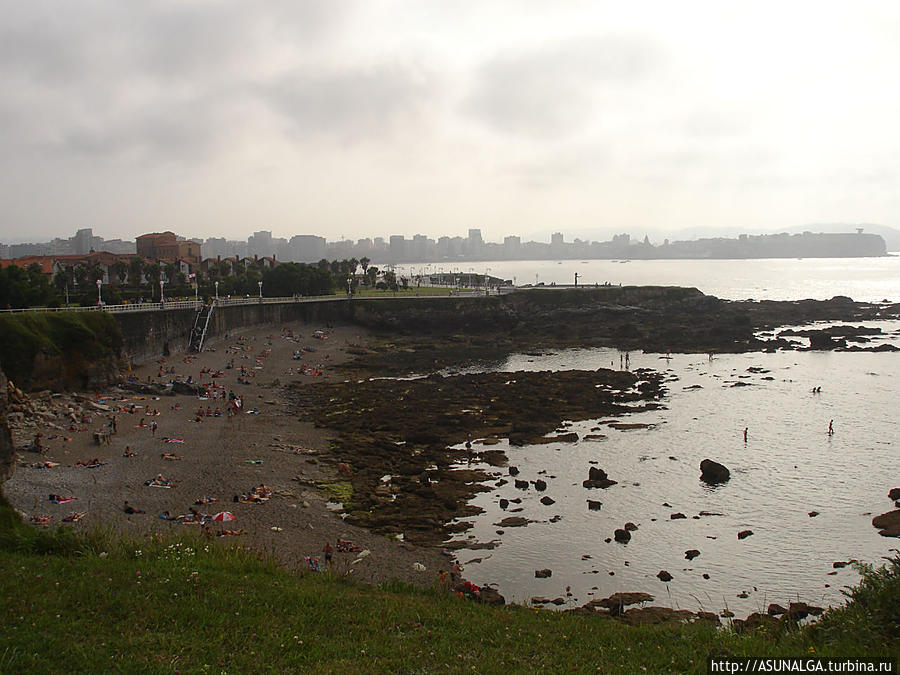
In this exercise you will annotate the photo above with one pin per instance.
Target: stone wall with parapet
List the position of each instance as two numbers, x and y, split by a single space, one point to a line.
151 335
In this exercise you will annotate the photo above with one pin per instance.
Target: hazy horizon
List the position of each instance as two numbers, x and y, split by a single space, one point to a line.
360 119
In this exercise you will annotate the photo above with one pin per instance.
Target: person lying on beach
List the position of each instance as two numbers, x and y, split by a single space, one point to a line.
159 481
41 520
230 533
129 509
59 499
206 500
73 517
171 456
128 452
90 464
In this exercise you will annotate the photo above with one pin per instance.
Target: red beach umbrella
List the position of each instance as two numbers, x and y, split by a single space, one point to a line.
223 516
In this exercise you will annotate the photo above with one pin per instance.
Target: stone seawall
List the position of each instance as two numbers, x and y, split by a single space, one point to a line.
151 335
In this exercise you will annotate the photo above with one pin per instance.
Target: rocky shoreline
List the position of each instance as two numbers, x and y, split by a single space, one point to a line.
394 437
385 441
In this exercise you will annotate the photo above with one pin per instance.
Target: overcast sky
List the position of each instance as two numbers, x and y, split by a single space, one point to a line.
353 118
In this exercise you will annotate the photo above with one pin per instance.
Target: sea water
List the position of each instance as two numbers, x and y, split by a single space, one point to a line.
863 279
788 468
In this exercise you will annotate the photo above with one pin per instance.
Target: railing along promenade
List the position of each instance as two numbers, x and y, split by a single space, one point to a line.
170 305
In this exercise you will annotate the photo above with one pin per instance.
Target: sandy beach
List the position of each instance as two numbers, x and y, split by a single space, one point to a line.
217 457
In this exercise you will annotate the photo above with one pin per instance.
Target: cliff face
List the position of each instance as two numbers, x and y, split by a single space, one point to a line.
7 451
60 351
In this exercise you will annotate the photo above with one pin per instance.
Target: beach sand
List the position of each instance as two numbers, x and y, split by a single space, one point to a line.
221 457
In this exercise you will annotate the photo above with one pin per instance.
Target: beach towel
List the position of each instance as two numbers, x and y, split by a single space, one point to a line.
63 500
173 440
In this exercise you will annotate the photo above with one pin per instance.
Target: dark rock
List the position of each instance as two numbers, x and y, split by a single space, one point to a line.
489 596
521 484
800 610
894 493
753 622
888 523
646 616
776 610
743 534
813 514
558 601
617 602
513 471
543 574
691 554
513 521
540 600
713 473
631 527
184 388
597 478
622 536
677 516
594 505
710 513
705 575
547 501
504 503
664 576
540 485
839 564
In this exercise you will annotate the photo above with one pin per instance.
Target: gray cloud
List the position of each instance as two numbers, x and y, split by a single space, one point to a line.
550 92
353 104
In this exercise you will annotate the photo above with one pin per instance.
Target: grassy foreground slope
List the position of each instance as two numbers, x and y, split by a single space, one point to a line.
88 603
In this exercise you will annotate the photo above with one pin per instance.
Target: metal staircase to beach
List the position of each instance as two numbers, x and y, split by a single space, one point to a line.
201 324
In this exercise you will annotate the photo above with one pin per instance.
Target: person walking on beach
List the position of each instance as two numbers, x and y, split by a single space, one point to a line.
745 434
328 550
153 427
831 428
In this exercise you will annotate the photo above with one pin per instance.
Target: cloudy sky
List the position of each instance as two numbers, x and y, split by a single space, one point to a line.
353 118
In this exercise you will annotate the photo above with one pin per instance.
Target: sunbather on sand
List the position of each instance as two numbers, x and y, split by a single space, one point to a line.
129 509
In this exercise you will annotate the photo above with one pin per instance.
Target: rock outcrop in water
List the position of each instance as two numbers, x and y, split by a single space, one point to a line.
597 478
713 473
888 523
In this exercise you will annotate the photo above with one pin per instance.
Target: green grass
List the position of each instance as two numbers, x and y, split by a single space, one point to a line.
92 603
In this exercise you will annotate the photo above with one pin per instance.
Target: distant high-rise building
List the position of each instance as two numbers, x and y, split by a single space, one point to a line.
398 247
307 247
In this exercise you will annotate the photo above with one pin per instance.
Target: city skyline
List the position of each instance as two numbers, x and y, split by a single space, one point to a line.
347 118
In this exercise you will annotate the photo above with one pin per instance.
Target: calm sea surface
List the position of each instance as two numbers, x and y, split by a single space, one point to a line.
788 467
863 279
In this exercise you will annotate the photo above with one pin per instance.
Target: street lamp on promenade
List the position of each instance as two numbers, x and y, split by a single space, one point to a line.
217 291
259 283
162 297
99 297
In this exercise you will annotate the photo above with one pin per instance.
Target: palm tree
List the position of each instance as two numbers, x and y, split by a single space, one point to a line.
136 271
364 263
80 274
120 270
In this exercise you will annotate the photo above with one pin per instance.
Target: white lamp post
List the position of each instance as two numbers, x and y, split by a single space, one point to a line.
99 298
259 283
349 286
217 291
162 297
